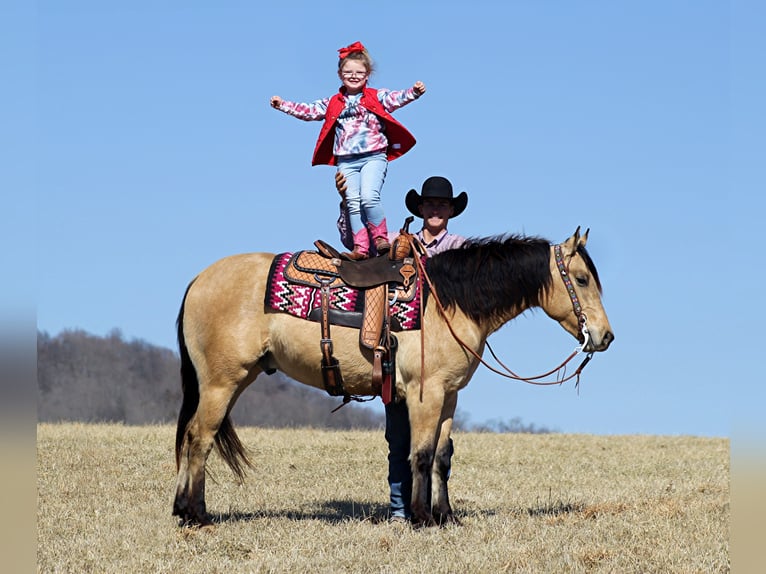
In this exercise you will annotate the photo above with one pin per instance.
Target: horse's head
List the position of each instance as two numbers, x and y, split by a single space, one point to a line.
574 298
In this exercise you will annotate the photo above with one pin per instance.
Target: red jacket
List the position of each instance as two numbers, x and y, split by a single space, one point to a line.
400 141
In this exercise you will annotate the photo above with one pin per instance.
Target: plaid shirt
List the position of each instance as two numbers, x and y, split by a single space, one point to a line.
442 242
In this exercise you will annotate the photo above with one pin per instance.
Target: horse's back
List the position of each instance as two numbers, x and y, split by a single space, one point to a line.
228 327
232 279
223 300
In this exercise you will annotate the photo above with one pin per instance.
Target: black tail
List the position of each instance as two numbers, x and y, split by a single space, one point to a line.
189 383
227 442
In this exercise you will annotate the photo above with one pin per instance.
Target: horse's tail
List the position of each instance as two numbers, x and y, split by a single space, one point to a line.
189 383
227 442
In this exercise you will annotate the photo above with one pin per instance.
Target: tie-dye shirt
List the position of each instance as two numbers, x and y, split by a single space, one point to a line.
358 130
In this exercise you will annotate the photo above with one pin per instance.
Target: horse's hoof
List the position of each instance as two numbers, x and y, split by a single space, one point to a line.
450 518
189 520
424 522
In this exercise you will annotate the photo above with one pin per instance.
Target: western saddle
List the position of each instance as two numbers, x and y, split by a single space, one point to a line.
378 278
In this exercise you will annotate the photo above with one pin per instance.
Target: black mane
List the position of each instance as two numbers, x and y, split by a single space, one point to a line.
489 277
492 276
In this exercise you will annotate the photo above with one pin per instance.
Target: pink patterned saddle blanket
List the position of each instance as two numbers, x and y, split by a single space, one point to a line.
292 288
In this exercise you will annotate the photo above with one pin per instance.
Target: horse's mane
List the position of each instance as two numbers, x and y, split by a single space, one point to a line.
492 276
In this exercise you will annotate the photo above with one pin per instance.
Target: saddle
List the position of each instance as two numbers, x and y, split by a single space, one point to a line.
379 279
313 268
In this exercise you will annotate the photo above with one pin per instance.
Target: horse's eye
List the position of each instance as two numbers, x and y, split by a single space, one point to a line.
582 280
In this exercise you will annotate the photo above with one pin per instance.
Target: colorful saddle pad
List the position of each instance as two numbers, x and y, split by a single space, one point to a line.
295 290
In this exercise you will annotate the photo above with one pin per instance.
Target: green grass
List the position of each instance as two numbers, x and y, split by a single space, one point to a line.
317 502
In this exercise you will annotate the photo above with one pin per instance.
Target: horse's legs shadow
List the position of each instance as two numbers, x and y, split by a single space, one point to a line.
337 511
332 511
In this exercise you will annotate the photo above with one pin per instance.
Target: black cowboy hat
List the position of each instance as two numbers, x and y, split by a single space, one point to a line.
436 187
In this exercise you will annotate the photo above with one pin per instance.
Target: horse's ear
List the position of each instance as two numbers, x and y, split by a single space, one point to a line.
570 245
584 239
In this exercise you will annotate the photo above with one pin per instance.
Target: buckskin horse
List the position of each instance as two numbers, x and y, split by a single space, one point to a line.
227 335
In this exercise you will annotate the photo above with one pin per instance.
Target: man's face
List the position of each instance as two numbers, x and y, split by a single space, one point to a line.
436 212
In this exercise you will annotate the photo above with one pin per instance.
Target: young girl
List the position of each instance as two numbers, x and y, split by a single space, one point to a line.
360 136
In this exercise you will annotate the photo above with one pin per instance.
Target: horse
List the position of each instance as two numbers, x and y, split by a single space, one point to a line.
227 336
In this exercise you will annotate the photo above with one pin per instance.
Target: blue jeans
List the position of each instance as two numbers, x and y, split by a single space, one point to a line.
399 469
365 174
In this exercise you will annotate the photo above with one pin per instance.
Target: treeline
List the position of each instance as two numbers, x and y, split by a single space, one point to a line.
85 378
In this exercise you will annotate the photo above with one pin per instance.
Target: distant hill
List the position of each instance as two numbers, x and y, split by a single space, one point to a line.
85 378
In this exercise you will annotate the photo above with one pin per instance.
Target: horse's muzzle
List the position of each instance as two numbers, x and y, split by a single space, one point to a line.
600 345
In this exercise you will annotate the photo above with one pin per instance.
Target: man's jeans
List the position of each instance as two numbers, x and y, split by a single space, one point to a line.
399 471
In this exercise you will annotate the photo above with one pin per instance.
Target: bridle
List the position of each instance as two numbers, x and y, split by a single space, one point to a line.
581 317
560 370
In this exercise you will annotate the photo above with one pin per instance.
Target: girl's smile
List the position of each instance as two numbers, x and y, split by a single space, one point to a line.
354 76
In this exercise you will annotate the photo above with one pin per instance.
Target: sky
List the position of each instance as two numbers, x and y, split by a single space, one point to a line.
142 148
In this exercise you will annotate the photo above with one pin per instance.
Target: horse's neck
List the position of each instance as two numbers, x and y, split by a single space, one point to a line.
459 325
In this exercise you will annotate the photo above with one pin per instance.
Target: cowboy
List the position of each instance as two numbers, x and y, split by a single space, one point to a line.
436 204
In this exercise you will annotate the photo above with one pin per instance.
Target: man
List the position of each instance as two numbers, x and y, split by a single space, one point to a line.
436 205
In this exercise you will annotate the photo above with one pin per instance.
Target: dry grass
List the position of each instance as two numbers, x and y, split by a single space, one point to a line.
318 502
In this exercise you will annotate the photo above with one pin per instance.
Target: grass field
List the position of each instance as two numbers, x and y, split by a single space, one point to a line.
317 502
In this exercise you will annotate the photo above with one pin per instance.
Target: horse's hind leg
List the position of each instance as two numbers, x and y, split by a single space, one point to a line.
440 505
210 423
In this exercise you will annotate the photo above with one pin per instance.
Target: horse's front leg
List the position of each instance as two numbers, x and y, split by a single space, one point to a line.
440 506
425 416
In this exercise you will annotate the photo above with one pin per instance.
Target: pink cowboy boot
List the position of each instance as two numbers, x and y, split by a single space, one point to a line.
361 246
379 234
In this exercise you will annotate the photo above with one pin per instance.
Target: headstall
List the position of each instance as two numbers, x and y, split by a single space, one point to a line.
581 318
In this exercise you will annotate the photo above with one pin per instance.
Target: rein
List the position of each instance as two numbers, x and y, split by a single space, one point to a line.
418 247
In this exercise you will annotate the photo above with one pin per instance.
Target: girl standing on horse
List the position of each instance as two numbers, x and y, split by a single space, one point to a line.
360 136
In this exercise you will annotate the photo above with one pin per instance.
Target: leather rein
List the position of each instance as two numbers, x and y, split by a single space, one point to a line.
418 248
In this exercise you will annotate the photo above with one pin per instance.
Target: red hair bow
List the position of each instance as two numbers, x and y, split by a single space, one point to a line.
355 47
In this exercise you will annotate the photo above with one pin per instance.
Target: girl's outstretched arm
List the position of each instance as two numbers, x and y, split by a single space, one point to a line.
308 112
393 100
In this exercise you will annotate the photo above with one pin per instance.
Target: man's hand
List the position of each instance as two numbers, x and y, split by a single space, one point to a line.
420 88
275 101
340 184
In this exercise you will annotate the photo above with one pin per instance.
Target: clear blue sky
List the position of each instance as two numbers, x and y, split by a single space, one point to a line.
154 152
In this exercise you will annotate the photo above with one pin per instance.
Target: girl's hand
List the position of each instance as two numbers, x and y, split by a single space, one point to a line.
276 101
420 88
